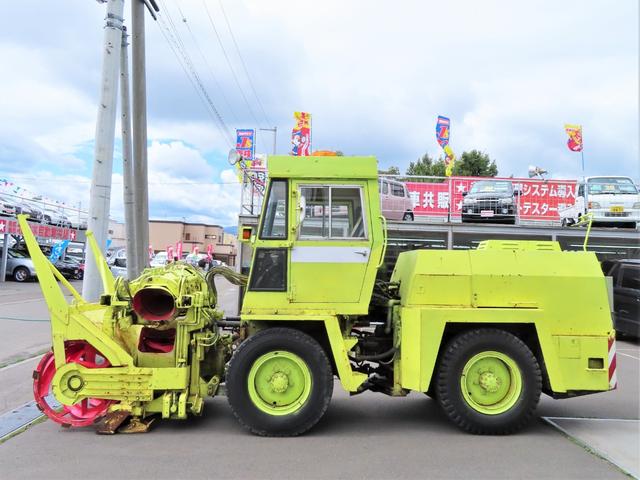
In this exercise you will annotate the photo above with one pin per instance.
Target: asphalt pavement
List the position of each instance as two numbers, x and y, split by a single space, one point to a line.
366 436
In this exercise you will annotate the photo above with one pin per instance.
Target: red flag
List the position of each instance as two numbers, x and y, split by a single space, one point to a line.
575 137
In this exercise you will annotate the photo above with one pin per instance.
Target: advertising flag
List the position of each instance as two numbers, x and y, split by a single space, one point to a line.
179 250
245 144
209 251
575 137
442 131
301 135
57 249
449 160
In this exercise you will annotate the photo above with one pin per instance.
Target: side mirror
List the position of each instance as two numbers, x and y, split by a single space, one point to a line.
464 194
517 192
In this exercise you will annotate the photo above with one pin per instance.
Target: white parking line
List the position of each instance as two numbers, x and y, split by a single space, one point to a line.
618 449
627 355
22 301
21 362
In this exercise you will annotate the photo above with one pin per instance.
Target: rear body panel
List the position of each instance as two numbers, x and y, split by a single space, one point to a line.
561 295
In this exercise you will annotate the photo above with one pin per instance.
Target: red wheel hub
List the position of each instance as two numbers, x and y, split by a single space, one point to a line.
86 411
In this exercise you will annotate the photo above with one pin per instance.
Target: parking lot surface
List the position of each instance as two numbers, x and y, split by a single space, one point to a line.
366 436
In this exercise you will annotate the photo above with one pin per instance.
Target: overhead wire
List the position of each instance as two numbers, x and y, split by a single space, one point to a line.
226 56
244 65
206 62
172 36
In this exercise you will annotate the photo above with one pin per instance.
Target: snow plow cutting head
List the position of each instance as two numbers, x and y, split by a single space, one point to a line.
151 346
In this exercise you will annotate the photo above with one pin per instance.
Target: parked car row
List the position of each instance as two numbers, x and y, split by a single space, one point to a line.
39 212
21 269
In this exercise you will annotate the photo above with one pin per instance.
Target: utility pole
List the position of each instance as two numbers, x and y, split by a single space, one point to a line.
275 136
133 261
100 196
139 90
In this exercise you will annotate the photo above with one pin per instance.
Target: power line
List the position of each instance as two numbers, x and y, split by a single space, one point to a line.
233 72
244 65
211 71
171 35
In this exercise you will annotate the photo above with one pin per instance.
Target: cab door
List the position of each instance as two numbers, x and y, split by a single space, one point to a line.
332 245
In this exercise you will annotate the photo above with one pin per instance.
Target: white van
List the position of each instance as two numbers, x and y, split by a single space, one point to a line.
611 200
395 201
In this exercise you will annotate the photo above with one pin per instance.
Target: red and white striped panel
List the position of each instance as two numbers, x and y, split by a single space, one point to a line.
613 379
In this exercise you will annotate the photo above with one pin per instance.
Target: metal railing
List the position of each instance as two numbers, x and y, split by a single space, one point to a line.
442 199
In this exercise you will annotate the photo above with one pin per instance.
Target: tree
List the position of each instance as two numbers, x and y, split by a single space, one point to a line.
425 166
475 164
392 170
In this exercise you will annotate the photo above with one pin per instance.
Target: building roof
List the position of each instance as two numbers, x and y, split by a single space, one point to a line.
186 223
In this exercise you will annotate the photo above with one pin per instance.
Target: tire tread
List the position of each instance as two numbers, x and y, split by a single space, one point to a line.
447 402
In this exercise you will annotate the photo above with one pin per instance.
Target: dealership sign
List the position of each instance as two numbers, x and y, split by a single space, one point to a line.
45 231
539 199
245 143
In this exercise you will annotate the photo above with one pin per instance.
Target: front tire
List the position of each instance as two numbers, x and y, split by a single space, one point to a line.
408 217
488 382
279 383
21 274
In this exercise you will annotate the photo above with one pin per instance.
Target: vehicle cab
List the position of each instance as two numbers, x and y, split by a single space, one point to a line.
611 199
321 220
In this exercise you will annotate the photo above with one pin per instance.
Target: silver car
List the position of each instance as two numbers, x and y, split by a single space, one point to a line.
19 265
7 206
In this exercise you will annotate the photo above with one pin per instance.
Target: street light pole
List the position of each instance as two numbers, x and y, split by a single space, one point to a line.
275 136
100 197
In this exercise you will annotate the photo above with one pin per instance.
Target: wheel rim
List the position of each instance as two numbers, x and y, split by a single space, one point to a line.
279 383
21 275
86 411
491 382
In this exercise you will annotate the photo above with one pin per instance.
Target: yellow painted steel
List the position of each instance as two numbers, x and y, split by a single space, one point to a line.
509 284
562 295
141 382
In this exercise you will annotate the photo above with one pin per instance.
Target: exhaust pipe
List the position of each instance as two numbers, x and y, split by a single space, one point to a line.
154 304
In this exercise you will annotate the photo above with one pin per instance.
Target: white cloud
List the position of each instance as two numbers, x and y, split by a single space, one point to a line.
374 74
175 159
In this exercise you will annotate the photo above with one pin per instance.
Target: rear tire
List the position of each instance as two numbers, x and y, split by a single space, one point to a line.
408 217
279 383
488 382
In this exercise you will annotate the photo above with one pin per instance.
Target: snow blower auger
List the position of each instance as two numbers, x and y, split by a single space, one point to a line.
150 347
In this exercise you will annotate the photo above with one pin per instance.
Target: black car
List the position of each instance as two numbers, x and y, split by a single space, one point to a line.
70 269
626 295
490 201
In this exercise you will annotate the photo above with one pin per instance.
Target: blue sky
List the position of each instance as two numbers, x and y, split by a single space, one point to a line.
375 75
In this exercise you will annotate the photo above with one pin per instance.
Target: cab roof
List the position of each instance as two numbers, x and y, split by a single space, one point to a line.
287 166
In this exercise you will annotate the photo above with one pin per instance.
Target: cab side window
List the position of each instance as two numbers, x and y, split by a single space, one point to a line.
581 190
274 225
332 212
